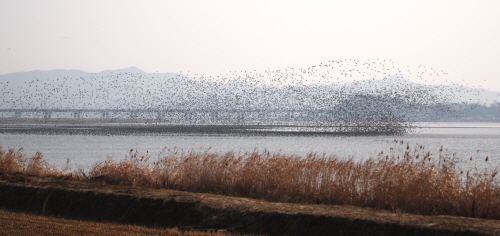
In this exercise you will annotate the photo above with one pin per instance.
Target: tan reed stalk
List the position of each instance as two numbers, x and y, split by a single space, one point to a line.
409 179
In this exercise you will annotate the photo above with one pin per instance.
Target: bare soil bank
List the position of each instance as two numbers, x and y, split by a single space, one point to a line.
169 208
22 224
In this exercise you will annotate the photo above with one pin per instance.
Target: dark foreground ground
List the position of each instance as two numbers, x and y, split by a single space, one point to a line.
85 200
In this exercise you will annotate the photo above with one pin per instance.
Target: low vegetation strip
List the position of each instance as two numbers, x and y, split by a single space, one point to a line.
157 208
410 179
22 224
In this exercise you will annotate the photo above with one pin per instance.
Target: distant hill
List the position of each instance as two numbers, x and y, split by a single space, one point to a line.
134 88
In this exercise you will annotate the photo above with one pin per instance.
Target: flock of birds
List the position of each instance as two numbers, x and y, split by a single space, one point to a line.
371 93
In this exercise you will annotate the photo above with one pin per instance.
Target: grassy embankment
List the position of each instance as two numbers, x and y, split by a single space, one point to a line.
410 180
14 223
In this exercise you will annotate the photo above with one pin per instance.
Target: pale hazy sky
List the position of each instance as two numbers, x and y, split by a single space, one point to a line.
461 38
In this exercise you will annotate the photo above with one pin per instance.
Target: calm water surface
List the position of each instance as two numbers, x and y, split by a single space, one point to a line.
477 140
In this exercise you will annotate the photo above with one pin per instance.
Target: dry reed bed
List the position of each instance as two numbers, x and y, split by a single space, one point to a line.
410 179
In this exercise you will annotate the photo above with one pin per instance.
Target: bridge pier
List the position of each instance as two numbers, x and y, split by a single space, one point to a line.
76 115
133 115
47 114
187 116
214 116
264 116
330 116
17 114
240 117
105 115
160 115
312 116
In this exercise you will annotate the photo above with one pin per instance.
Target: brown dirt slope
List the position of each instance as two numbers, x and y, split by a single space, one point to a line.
22 224
170 208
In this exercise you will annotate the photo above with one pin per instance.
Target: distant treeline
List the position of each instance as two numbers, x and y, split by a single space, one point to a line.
468 112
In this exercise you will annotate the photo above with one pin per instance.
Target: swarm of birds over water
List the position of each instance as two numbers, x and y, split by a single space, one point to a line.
349 96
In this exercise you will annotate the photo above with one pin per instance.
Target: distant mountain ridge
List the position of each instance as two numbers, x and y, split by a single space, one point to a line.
133 88
73 73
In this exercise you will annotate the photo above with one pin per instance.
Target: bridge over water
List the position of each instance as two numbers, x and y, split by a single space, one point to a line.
176 115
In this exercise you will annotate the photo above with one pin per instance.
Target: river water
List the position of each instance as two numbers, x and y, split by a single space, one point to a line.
465 140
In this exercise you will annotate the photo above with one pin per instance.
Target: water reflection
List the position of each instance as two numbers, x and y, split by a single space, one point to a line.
464 139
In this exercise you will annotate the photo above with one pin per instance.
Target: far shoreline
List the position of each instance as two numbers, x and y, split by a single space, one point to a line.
152 127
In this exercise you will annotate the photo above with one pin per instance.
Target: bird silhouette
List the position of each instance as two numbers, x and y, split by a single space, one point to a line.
371 96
